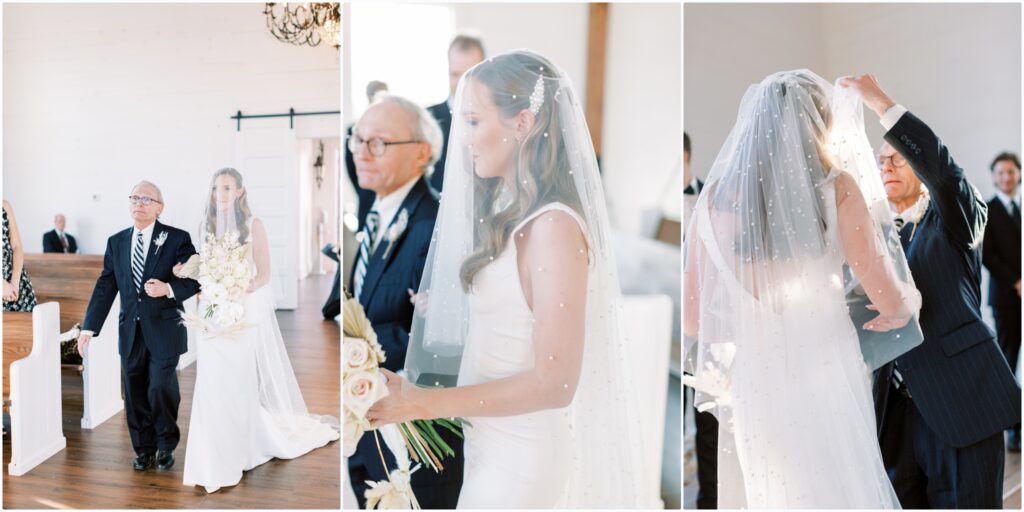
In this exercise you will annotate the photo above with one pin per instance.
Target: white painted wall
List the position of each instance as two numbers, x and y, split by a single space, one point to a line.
642 141
728 47
957 66
97 97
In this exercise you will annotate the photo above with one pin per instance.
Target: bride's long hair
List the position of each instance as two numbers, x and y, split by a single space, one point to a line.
541 164
241 212
761 132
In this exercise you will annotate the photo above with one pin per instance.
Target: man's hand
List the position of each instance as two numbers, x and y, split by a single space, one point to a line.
156 288
83 341
870 92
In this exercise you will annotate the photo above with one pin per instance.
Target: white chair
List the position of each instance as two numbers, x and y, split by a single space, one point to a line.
648 324
36 430
101 377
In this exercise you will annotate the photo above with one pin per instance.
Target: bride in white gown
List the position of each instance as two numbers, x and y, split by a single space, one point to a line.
517 318
247 407
784 231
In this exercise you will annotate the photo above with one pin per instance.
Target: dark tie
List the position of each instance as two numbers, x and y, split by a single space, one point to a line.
64 242
138 262
1015 212
365 250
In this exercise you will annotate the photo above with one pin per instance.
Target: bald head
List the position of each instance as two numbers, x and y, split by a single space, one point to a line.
59 222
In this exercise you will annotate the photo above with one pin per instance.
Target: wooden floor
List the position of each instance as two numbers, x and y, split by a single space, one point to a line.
1011 480
94 471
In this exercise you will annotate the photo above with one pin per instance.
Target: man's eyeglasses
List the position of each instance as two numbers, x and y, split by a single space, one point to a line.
143 200
896 159
377 145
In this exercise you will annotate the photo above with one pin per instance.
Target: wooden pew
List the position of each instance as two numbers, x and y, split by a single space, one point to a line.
69 279
17 344
35 394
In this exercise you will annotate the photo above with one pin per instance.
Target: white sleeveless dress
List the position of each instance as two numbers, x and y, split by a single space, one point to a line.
231 430
802 430
512 462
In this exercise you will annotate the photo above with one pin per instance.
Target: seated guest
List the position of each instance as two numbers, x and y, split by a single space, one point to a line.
18 294
58 240
1001 256
333 305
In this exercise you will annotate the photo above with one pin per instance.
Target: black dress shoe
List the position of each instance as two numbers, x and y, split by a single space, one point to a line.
164 460
143 461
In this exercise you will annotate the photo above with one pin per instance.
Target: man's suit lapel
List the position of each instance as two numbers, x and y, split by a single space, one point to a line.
383 254
151 252
123 258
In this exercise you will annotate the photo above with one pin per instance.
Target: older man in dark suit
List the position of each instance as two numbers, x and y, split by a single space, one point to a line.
57 239
943 406
394 144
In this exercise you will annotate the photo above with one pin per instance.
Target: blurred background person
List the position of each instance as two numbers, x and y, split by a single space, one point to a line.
1001 256
464 52
58 240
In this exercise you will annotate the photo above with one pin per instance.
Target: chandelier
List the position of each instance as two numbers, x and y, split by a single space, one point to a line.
305 23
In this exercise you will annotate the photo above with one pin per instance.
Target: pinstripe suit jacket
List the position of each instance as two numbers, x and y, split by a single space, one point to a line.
958 377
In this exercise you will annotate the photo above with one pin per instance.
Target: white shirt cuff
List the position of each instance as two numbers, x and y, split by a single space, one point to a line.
90 333
170 291
892 116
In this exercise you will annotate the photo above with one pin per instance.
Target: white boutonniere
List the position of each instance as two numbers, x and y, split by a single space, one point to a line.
395 230
160 241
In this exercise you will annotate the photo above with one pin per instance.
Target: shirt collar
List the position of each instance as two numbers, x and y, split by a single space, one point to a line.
916 212
146 232
388 207
1006 200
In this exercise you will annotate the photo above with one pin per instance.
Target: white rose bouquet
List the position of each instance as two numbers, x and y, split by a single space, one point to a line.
224 272
363 385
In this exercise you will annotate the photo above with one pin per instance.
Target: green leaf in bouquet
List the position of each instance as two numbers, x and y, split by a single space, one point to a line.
417 453
437 445
455 426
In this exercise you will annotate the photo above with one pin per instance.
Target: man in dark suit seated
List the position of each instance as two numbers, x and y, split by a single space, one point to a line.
1001 256
394 145
464 52
332 307
58 240
942 407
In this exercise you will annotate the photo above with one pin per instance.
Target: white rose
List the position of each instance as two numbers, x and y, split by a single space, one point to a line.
228 281
357 355
362 390
241 272
237 311
353 431
222 316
